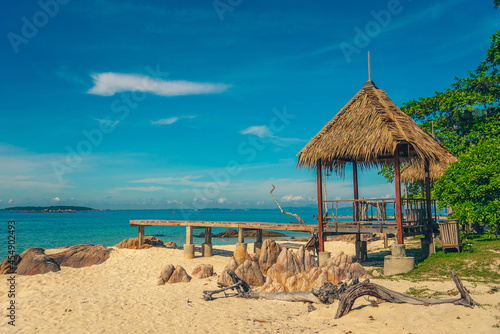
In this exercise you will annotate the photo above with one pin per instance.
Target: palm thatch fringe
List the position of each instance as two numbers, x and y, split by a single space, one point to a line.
414 171
367 130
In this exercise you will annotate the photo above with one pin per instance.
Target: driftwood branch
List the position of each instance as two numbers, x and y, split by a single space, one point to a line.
369 289
208 294
346 293
283 211
298 296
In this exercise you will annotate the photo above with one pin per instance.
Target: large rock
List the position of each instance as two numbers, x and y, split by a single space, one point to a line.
79 256
305 259
170 274
133 243
166 272
250 272
34 261
179 275
9 265
203 271
268 255
224 278
240 255
246 266
289 273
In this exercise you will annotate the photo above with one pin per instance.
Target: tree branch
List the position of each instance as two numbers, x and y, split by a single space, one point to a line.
283 211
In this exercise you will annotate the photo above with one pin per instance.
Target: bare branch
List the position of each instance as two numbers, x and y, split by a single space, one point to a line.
283 211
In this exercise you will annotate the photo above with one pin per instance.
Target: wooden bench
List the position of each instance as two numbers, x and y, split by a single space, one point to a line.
450 235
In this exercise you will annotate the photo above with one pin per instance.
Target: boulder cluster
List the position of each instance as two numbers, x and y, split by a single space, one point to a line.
171 274
34 260
149 242
279 269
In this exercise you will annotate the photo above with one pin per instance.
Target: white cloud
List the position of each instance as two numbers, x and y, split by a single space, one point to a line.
184 180
222 200
291 198
170 120
144 189
56 199
109 83
263 131
166 121
11 201
260 131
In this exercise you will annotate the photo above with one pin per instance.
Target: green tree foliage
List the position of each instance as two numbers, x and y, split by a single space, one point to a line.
467 112
472 185
464 114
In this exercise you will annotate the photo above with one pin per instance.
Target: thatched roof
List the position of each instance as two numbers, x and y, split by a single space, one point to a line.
367 130
414 171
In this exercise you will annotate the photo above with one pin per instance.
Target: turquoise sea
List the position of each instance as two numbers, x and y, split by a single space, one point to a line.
50 230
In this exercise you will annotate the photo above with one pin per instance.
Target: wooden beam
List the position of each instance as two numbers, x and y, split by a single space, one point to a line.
399 207
189 235
208 235
356 194
320 207
141 236
427 182
241 237
233 224
259 236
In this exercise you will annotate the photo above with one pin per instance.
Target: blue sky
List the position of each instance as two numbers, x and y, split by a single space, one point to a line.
167 104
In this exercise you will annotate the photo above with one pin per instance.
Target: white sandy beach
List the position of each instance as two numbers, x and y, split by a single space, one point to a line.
122 296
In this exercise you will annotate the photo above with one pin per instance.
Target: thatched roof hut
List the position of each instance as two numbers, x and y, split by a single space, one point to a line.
414 171
367 130
371 131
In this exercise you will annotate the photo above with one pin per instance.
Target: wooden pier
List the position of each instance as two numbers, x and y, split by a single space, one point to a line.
206 247
329 229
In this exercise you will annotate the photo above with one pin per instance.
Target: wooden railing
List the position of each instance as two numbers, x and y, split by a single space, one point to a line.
379 210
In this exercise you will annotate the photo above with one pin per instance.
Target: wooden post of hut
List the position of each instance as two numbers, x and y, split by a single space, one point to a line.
361 247
322 256
399 207
427 243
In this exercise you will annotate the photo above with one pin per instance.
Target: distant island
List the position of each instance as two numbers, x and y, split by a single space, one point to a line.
58 208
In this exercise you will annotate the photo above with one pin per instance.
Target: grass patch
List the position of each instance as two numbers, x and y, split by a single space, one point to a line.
480 262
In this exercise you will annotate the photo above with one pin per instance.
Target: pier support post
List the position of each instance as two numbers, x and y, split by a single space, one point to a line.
206 247
188 246
141 235
257 246
398 262
241 239
361 251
